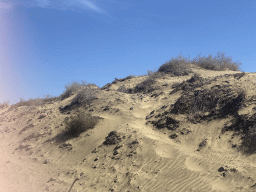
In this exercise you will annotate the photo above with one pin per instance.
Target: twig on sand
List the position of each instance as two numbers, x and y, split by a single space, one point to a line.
76 179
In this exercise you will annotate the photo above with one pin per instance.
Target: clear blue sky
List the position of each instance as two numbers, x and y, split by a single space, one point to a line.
45 44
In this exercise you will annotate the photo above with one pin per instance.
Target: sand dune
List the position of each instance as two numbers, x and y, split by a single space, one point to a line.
156 149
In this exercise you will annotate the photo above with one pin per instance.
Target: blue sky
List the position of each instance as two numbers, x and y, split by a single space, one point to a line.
46 44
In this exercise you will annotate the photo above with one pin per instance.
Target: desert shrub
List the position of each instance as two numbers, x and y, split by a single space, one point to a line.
190 84
218 63
30 103
4 104
122 89
112 138
145 86
85 96
245 127
150 72
218 102
70 89
48 98
106 87
177 66
165 121
79 124
156 75
122 79
239 75
249 140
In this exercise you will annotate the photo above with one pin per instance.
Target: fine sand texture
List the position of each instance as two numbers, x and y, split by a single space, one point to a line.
194 132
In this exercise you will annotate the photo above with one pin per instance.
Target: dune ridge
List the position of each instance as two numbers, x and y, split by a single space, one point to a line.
150 140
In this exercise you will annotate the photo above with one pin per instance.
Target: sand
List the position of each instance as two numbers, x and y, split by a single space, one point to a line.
146 159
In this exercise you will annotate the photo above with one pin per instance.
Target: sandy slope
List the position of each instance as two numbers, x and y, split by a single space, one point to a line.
146 159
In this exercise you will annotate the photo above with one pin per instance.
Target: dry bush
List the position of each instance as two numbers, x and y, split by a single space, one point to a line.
122 79
177 66
190 84
79 124
30 103
48 99
156 75
122 89
71 89
145 86
218 102
218 63
249 140
33 103
150 72
4 104
106 87
245 127
84 97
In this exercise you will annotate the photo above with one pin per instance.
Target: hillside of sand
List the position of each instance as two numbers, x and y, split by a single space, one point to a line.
188 133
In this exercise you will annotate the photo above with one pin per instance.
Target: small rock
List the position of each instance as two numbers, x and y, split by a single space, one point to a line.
131 108
106 108
221 169
115 152
46 161
42 115
152 112
234 145
225 174
173 136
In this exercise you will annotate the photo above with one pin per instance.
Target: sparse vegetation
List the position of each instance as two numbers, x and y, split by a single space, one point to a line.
217 102
122 79
145 86
122 89
181 66
218 63
33 103
177 66
4 104
84 97
79 124
112 138
71 89
244 126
